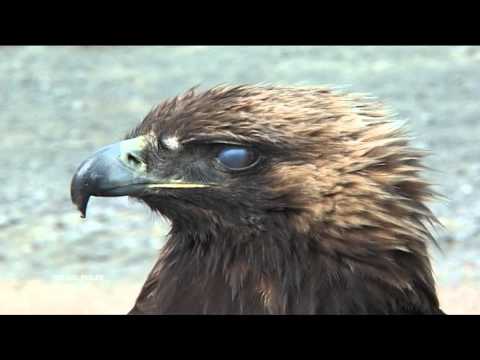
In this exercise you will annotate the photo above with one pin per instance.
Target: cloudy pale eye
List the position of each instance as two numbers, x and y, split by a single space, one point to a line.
236 158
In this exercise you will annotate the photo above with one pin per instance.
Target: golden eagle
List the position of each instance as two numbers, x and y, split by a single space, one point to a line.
282 200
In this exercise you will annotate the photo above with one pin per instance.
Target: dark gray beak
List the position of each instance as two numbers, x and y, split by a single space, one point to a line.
117 170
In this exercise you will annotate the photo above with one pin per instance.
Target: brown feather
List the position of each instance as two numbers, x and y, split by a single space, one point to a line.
339 223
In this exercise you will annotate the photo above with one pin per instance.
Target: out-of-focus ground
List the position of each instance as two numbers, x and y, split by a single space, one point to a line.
116 298
59 104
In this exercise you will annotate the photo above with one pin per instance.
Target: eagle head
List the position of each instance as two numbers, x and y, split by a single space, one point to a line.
301 199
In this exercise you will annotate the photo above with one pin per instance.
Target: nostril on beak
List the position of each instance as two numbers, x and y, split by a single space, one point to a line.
131 153
135 160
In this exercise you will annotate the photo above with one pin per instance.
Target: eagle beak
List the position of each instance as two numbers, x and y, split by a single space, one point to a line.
117 170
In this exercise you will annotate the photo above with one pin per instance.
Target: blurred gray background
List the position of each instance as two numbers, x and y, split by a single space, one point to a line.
59 104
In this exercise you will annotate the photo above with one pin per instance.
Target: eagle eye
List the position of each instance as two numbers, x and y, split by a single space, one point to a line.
237 158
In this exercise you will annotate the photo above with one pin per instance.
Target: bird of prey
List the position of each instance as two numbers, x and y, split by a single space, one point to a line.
282 200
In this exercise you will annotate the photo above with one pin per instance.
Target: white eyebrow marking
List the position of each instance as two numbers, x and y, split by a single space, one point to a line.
171 142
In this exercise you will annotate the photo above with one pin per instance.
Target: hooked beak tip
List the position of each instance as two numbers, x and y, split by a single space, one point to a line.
81 201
